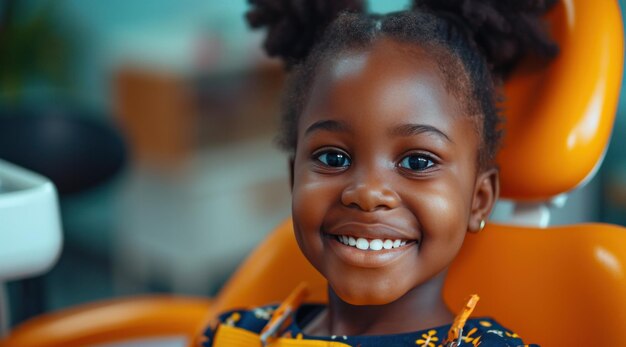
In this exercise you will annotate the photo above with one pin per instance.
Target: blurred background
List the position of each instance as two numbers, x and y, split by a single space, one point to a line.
156 120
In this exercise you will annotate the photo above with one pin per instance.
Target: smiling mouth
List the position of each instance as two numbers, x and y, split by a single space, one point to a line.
365 244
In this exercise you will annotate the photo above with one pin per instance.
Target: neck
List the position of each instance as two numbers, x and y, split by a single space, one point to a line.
421 308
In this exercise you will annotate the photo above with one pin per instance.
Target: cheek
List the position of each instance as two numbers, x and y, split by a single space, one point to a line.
311 200
443 213
447 215
445 201
313 194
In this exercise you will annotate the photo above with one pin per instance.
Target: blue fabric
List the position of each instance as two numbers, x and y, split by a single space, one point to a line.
484 332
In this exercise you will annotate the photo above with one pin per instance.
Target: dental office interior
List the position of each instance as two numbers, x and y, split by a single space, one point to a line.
155 121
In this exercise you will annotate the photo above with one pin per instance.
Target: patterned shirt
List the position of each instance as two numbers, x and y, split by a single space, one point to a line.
484 332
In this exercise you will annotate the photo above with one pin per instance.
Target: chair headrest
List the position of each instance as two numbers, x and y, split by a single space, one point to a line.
559 118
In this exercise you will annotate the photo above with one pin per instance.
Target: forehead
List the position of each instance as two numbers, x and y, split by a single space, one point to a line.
398 81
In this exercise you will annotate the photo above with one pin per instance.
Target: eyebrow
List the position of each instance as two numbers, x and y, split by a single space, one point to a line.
328 125
416 129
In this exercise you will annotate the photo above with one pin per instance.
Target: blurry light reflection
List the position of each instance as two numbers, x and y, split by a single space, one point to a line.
610 261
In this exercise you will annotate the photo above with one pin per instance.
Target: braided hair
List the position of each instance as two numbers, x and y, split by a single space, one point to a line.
476 44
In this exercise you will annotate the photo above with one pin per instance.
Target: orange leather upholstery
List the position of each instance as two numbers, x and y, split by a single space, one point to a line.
111 321
559 286
559 119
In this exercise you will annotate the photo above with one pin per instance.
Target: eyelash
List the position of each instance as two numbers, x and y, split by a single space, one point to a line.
346 161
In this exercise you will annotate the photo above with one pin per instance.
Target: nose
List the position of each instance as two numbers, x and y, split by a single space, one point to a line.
369 192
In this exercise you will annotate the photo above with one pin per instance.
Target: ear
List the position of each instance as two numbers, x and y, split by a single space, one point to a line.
485 195
291 162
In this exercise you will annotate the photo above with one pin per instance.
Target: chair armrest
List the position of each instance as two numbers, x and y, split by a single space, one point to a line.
112 321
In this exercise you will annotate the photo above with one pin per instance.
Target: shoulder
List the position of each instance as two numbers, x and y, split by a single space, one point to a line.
488 332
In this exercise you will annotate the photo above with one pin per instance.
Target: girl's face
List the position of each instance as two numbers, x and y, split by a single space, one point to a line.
385 156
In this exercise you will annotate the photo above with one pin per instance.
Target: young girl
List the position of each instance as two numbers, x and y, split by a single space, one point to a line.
391 123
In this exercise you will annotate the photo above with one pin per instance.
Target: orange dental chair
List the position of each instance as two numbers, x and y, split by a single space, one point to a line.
558 286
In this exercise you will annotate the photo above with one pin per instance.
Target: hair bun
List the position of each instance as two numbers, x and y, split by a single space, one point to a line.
504 30
295 25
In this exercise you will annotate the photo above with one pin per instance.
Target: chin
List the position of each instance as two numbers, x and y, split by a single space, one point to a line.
367 295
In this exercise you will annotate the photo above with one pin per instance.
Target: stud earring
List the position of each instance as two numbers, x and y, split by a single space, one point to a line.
480 227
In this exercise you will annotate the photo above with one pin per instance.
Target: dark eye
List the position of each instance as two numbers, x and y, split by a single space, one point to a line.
416 162
334 159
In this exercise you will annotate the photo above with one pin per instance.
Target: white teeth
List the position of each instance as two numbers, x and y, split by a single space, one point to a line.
362 243
376 245
388 244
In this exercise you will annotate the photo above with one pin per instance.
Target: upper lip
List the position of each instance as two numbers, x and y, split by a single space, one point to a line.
372 231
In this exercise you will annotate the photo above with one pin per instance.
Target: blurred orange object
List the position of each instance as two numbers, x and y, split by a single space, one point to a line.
559 286
112 320
156 113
